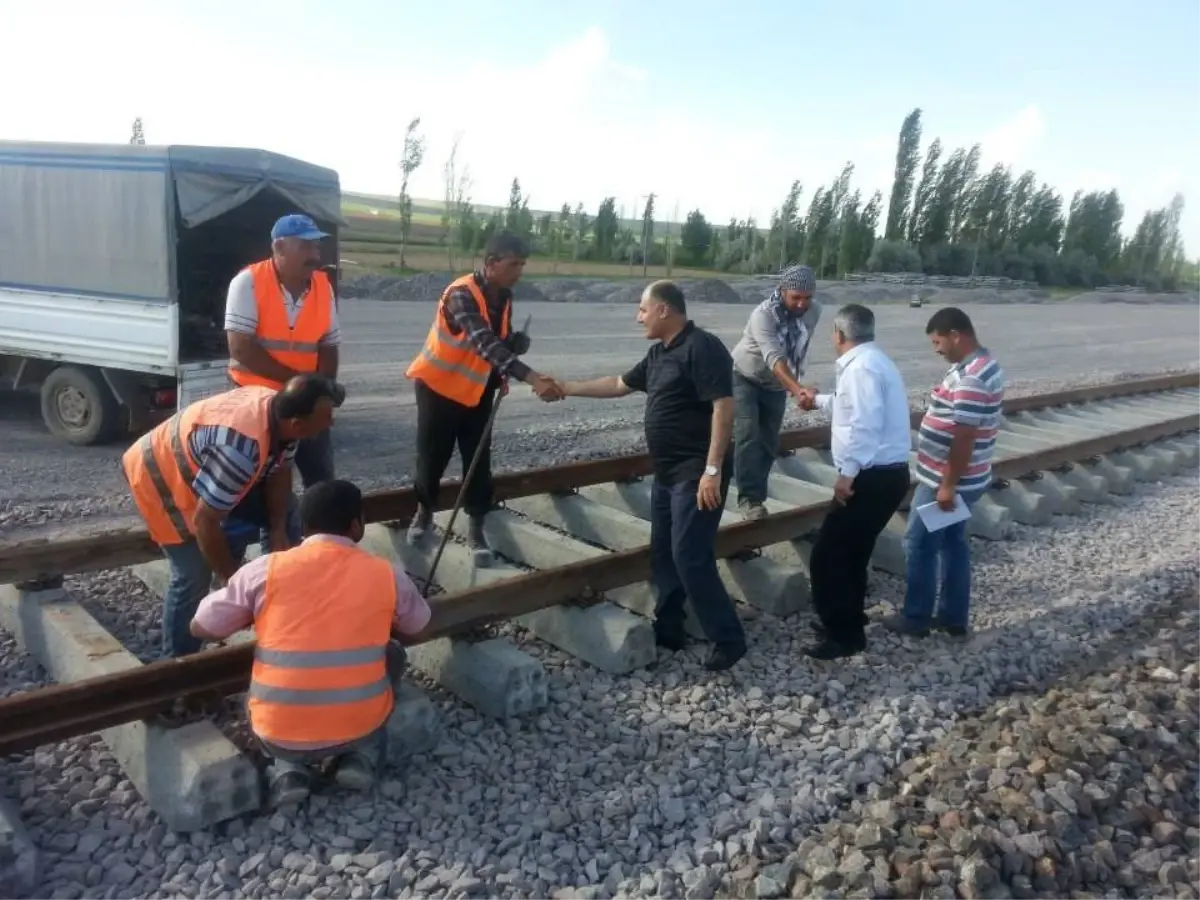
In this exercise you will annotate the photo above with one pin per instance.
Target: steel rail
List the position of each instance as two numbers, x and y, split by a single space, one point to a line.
47 557
45 715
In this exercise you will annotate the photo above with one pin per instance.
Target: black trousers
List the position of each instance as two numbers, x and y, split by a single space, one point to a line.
443 424
842 552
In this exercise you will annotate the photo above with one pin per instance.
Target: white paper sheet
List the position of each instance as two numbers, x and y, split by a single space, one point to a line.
936 518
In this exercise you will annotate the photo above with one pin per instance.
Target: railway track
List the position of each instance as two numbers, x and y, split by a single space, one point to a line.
574 543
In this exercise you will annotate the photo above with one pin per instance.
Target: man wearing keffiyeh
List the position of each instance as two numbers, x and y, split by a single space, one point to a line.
768 362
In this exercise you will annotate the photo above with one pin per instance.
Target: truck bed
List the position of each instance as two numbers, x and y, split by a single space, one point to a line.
138 335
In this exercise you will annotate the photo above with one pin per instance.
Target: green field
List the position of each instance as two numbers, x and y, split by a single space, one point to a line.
371 243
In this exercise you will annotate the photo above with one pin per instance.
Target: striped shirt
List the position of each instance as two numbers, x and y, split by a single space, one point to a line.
971 394
228 460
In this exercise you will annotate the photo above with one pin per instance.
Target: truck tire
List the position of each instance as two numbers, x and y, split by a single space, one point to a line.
79 407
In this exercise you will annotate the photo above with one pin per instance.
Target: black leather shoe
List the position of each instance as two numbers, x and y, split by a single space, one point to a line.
724 657
831 649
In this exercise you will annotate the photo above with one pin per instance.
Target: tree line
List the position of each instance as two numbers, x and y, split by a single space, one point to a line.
943 217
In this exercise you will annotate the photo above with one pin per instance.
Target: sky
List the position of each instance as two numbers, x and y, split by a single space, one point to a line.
711 105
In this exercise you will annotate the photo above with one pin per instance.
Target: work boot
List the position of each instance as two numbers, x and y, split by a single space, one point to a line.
419 527
289 788
354 773
753 510
479 544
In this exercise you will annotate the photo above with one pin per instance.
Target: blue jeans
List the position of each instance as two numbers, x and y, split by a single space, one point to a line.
952 549
683 565
371 748
191 575
757 418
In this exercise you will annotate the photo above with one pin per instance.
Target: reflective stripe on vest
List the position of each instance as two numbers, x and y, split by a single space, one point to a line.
320 663
449 364
295 346
159 466
159 480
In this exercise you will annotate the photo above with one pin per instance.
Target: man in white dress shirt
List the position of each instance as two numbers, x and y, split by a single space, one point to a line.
870 443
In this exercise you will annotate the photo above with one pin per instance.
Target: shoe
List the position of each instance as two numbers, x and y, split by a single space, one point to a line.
751 511
419 527
479 544
290 788
831 649
354 773
958 631
902 624
671 642
724 657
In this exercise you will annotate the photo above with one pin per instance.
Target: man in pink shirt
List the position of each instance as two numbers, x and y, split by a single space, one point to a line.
331 511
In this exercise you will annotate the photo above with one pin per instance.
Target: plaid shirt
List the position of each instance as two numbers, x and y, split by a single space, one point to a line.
462 315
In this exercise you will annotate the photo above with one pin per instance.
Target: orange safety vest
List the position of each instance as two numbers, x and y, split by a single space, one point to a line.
160 467
320 669
292 346
448 364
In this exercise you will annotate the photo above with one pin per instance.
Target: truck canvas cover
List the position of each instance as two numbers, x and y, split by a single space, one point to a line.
102 219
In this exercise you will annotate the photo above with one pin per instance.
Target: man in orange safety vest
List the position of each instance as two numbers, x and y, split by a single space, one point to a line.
325 665
469 353
281 321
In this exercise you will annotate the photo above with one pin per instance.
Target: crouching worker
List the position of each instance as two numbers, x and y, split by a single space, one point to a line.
325 664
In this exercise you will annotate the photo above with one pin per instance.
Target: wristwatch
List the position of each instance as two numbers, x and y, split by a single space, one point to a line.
711 470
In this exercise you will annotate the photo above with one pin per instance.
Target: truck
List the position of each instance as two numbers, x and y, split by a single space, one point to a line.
115 260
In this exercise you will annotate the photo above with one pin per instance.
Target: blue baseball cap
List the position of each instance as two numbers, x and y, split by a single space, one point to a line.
297 226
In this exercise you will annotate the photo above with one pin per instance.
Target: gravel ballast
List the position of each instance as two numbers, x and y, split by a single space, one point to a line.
1053 754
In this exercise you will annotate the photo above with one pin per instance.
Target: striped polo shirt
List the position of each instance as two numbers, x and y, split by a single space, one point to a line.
971 394
228 460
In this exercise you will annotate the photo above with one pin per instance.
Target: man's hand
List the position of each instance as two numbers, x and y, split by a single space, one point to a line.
843 489
806 398
945 497
547 388
708 495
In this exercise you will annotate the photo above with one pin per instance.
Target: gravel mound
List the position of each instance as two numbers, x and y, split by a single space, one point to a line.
424 288
783 776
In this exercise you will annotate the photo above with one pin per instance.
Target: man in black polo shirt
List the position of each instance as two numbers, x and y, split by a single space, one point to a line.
687 377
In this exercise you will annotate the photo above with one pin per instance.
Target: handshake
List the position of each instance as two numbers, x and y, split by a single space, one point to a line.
806 398
547 388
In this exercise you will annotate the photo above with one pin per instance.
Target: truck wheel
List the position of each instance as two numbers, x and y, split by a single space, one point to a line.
78 406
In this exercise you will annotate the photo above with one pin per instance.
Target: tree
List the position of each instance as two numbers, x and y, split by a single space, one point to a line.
411 156
457 185
647 231
696 238
604 230
580 231
908 156
139 136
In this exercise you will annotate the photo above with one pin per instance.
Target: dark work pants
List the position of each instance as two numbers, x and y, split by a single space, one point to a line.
314 458
441 424
842 552
684 565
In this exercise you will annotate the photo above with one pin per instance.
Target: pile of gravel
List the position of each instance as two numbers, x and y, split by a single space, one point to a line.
783 775
424 288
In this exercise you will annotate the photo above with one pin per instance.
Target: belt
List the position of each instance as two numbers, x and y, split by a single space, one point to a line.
886 467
